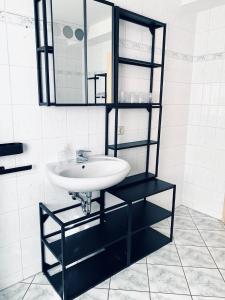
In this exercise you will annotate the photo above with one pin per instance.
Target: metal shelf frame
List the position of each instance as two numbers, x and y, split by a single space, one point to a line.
113 239
152 25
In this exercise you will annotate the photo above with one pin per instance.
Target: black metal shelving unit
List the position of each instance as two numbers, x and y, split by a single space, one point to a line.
123 234
122 237
139 186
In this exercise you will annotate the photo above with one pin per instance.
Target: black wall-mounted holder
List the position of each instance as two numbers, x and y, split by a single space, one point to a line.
12 149
4 171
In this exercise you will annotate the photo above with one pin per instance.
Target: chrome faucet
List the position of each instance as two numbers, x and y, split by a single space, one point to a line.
81 156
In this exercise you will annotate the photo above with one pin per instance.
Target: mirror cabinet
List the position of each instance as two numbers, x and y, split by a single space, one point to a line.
74 41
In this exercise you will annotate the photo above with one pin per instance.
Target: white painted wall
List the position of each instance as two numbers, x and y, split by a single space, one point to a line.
46 131
204 181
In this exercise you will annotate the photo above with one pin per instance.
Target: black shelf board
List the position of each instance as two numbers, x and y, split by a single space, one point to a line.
146 242
133 180
145 214
134 105
113 230
129 145
139 19
88 241
140 63
87 274
141 190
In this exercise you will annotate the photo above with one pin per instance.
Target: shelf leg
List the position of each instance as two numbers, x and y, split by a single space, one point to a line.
173 212
129 233
102 207
42 220
63 249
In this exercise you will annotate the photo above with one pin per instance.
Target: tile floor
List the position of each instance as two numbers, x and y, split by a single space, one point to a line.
191 267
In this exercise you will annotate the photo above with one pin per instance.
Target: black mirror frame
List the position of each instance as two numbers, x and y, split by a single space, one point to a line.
45 51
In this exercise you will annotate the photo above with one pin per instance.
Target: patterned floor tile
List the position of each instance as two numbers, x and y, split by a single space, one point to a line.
15 292
206 298
188 238
182 211
223 273
192 256
40 279
205 282
159 296
167 279
40 292
128 295
219 256
134 278
28 280
165 256
208 223
213 238
184 222
196 214
95 294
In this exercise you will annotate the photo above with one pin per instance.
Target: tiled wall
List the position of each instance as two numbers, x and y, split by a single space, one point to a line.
204 186
47 131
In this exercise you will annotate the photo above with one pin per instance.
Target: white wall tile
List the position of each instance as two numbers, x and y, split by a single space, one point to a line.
217 17
54 122
9 224
203 21
27 122
9 200
5 85
20 77
2 4
23 54
30 190
77 121
29 215
6 124
10 257
216 42
31 256
96 121
203 184
24 7
3 45
32 155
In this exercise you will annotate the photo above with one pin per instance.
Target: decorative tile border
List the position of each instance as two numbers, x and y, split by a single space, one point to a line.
28 22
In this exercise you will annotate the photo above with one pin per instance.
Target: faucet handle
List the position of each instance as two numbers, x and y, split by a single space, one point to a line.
82 152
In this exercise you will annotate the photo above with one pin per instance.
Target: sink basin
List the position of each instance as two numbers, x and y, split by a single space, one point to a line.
98 173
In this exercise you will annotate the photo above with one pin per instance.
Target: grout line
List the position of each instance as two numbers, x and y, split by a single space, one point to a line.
183 269
28 287
109 288
146 262
210 253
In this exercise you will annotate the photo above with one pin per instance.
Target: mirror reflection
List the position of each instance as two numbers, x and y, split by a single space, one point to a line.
69 51
99 52
83 62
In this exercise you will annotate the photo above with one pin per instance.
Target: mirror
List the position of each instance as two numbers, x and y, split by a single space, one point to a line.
99 52
69 51
82 51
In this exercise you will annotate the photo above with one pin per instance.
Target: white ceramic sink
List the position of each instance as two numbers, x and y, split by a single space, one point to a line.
98 173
